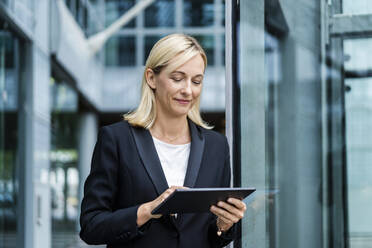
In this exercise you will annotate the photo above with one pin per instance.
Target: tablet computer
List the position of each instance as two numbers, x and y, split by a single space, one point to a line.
198 200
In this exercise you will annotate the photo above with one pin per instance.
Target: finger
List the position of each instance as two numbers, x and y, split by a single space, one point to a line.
232 209
177 187
164 195
171 189
156 216
238 203
226 221
223 213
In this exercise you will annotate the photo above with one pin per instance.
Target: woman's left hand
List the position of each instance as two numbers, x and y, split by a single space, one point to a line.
228 213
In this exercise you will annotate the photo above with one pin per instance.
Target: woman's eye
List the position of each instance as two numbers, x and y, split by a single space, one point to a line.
196 82
177 79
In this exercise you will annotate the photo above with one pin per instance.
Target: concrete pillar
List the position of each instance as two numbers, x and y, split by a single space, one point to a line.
88 129
34 222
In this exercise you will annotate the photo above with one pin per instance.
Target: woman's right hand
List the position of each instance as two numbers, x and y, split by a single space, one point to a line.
144 211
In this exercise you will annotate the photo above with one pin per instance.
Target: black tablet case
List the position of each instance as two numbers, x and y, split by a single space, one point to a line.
198 200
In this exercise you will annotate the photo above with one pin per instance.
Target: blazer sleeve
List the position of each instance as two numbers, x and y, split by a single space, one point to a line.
100 224
226 237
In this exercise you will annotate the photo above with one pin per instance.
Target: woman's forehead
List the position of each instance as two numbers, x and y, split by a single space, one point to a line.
194 65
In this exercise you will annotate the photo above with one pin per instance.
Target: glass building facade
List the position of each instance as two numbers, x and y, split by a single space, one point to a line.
297 117
9 85
131 45
289 82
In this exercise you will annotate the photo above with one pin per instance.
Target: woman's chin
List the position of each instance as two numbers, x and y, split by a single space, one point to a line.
180 111
180 114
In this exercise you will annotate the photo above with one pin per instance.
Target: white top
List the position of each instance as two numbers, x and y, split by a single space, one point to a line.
173 159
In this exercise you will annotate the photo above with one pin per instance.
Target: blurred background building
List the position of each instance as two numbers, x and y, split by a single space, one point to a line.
288 81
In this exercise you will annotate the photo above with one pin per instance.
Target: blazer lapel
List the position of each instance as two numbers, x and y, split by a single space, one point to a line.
150 159
146 149
195 157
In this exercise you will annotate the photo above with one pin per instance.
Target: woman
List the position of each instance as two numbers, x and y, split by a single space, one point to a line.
163 143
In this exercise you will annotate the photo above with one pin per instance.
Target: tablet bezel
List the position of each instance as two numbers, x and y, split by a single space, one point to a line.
223 194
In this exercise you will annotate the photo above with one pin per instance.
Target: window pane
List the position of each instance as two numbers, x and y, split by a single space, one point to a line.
149 43
358 53
160 14
116 8
8 140
223 13
121 51
198 13
357 6
358 108
358 112
64 98
207 42
63 173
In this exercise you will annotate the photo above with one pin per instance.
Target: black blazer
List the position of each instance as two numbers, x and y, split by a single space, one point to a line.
126 172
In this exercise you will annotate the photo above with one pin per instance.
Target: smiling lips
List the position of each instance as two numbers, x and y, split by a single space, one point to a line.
183 101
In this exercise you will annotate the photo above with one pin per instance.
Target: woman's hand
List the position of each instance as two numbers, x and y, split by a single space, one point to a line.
144 211
228 213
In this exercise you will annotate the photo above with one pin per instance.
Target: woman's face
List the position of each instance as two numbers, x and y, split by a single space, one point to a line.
177 91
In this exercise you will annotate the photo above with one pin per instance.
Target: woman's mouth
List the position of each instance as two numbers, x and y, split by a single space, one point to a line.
183 101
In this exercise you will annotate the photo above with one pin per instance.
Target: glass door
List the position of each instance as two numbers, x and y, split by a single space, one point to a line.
350 87
299 74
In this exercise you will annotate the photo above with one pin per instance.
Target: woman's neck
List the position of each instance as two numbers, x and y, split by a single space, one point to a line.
171 130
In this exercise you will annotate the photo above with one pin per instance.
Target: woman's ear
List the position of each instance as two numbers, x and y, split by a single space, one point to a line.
150 78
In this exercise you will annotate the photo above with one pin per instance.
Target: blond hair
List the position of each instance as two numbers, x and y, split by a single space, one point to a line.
176 47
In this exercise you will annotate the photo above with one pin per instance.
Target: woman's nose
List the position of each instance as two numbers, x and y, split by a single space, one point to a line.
186 89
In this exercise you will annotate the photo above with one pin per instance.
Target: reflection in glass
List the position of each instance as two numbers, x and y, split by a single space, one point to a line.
64 98
160 14
198 13
120 51
358 115
8 139
115 9
64 179
63 174
358 108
